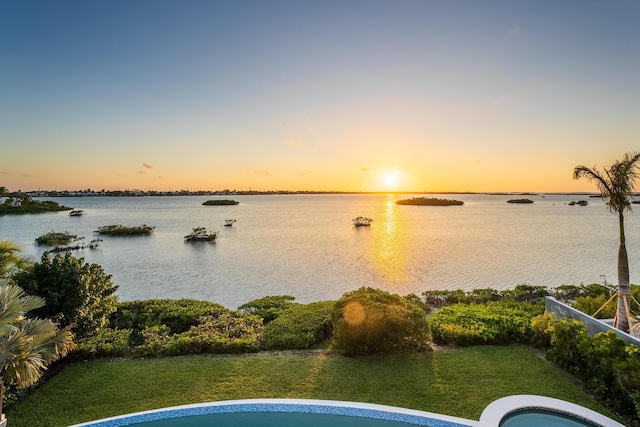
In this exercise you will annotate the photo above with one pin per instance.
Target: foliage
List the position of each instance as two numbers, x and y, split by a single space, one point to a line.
368 321
300 326
491 323
178 315
56 238
121 230
26 205
590 305
75 292
226 333
568 293
521 293
606 365
200 234
220 202
268 307
426 201
106 342
27 346
10 262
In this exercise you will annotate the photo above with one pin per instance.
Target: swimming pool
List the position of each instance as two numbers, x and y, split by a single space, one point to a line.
512 411
282 413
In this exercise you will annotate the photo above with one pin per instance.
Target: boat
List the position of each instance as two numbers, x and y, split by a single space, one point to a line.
76 212
229 222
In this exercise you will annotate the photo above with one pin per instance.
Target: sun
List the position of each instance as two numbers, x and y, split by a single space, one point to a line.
390 180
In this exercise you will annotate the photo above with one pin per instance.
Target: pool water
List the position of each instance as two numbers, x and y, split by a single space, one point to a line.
539 418
272 419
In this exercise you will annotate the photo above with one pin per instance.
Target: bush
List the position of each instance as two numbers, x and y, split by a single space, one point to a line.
521 293
368 321
178 315
493 323
268 307
300 326
590 305
56 238
75 292
106 342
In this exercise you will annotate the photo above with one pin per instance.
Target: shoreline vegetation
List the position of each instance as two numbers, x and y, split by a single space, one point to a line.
26 205
121 230
219 202
425 201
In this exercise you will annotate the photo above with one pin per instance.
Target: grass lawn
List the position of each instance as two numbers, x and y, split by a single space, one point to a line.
459 382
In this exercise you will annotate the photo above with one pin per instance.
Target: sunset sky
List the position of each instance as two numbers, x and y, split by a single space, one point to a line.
316 95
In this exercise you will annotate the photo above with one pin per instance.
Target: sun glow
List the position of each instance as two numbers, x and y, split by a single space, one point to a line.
391 178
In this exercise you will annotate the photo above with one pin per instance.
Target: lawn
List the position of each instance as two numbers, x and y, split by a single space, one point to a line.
459 382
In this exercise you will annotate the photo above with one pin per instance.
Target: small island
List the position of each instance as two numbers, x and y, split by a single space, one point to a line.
121 230
362 221
220 203
200 234
522 201
579 203
56 238
229 222
425 201
26 205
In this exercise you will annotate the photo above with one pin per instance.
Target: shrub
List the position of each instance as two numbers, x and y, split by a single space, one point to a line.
75 292
300 326
521 293
268 307
492 323
106 342
590 305
368 321
56 238
178 315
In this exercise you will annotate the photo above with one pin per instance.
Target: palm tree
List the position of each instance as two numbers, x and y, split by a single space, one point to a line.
616 186
27 346
9 261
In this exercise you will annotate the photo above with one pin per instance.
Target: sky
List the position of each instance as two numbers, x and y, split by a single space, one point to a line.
398 95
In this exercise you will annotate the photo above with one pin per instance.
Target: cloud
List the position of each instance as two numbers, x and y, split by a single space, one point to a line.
293 143
305 172
147 166
367 170
160 176
257 172
141 173
514 32
549 157
476 161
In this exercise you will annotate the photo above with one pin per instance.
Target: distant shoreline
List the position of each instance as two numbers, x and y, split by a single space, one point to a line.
140 193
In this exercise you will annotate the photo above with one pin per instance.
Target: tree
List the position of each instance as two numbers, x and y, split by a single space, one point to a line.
27 346
9 261
616 185
76 292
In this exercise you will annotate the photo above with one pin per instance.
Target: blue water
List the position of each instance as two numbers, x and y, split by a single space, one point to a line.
306 245
536 418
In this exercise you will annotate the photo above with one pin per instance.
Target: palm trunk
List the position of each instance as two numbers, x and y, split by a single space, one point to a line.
1 399
624 290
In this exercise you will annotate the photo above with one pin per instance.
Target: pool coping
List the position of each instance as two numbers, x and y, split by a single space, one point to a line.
332 407
501 408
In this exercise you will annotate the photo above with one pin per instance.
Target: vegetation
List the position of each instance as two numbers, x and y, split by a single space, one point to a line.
616 185
10 262
220 202
426 201
362 221
76 293
200 234
499 322
27 346
56 238
300 326
121 230
25 204
268 307
369 321
446 381
606 365
522 201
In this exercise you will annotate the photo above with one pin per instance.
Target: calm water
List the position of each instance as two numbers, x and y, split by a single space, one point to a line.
306 245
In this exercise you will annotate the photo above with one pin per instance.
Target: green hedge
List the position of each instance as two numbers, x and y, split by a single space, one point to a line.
268 307
491 323
300 326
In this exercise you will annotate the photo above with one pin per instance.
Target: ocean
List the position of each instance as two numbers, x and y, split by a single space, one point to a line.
306 246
